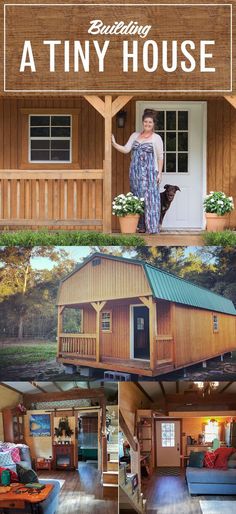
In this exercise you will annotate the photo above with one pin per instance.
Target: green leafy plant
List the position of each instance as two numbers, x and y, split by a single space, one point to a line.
29 238
127 204
225 238
218 203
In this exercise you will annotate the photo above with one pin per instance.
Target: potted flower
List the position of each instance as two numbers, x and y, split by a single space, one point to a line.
217 208
128 208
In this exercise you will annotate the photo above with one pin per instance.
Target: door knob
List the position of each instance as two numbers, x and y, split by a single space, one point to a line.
178 447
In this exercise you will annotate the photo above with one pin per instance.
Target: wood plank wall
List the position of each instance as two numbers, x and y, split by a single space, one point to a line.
221 159
195 340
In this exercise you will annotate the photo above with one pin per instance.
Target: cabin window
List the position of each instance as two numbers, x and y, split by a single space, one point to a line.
72 321
167 435
106 321
50 138
172 126
211 431
215 320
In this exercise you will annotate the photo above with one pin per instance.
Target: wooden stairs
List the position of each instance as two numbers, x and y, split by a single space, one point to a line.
130 497
110 477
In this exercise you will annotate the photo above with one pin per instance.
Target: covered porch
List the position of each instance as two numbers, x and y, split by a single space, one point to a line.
120 335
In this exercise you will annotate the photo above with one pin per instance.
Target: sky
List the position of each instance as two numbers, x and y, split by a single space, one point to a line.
77 253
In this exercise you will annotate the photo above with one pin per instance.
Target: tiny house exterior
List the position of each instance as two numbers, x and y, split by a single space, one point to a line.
138 319
57 166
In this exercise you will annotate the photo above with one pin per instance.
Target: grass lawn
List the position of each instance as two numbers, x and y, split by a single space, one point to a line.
20 353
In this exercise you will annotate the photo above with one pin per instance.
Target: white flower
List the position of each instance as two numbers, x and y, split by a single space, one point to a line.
220 202
212 200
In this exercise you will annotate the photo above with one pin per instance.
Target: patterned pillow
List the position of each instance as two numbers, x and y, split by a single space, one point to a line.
26 475
209 460
6 459
222 457
15 454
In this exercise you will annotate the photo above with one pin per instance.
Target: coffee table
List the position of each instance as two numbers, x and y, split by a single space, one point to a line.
14 500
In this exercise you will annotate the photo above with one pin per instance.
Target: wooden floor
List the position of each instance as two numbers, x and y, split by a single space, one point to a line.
82 492
175 238
169 495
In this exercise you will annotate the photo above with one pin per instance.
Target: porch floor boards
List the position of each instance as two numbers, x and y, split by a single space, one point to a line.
139 367
82 491
174 238
169 495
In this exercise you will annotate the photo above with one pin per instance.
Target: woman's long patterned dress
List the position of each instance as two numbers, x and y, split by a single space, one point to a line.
143 182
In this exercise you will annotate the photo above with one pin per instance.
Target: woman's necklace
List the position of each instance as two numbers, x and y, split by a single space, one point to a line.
143 136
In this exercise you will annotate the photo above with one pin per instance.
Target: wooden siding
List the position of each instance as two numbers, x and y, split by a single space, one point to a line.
163 317
40 199
117 343
108 280
194 337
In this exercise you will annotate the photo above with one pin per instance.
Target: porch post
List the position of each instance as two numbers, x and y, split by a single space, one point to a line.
107 192
148 302
98 306
60 310
104 438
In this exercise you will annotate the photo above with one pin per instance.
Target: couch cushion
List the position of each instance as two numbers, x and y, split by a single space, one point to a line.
196 459
15 454
209 460
211 476
6 459
222 456
26 475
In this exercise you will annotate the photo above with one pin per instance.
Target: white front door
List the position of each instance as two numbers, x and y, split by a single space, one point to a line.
167 443
182 126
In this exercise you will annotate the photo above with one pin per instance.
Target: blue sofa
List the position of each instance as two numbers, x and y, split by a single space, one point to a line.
211 481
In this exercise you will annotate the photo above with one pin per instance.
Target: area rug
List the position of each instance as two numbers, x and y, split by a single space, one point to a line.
218 507
169 471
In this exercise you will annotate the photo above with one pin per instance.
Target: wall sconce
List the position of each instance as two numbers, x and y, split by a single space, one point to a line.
121 119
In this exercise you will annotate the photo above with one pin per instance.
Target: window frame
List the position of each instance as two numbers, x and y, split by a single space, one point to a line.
215 323
109 330
23 147
49 138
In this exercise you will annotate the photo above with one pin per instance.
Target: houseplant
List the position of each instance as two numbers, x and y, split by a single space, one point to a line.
128 208
217 208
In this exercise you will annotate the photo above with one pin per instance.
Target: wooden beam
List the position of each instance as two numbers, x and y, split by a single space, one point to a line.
58 386
52 174
138 385
97 103
74 394
152 334
119 103
226 387
231 99
124 427
162 389
60 310
107 166
146 301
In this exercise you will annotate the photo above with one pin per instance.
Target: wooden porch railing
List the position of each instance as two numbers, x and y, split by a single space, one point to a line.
78 345
165 348
54 198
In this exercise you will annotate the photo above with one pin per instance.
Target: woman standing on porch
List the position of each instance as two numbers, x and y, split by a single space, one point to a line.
146 169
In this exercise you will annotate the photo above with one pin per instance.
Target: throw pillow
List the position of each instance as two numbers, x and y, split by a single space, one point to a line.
26 475
222 455
13 475
15 454
6 459
209 460
231 464
196 459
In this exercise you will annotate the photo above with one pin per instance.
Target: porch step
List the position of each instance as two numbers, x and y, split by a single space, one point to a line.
112 465
110 491
110 477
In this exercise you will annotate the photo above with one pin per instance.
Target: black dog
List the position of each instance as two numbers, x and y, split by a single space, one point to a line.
167 197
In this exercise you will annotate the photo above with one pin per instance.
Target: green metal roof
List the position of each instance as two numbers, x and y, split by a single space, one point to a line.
169 287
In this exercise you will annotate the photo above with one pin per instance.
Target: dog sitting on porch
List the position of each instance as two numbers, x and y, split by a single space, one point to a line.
167 198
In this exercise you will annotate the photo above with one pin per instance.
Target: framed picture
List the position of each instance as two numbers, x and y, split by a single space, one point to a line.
40 425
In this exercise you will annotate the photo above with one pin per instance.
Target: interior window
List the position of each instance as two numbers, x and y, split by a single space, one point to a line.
50 138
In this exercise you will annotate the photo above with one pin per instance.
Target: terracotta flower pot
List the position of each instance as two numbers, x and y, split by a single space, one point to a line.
129 223
216 223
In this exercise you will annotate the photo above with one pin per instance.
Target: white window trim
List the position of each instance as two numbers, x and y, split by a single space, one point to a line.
49 138
109 330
